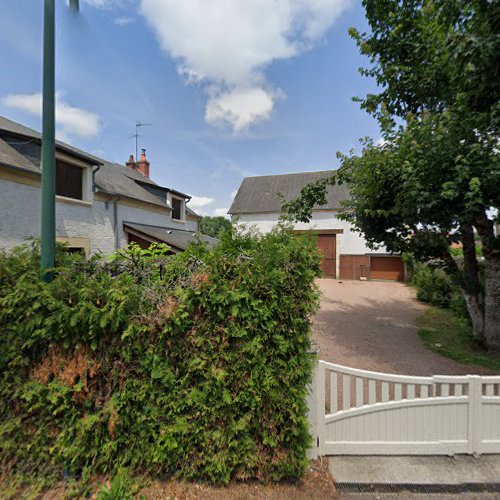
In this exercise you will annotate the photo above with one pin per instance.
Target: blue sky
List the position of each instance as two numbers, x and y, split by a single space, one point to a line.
232 87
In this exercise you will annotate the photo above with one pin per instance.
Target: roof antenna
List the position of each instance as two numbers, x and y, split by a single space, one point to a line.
138 125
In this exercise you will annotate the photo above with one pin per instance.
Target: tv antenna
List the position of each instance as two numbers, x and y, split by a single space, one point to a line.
138 125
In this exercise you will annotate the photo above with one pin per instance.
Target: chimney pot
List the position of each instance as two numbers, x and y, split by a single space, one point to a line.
143 164
131 163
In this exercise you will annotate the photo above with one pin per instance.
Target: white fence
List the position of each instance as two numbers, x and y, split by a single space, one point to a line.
358 412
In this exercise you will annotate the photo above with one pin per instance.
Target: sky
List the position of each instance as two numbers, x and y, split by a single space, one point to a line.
232 88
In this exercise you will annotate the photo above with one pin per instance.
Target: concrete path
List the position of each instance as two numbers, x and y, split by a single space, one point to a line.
371 325
416 469
463 475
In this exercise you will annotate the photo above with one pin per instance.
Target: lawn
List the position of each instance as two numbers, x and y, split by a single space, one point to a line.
444 333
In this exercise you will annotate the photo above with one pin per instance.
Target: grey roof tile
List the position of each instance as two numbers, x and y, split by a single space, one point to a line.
112 178
177 238
115 179
260 194
9 156
7 125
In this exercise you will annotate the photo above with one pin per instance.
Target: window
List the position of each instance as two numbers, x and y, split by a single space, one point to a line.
176 209
69 180
76 251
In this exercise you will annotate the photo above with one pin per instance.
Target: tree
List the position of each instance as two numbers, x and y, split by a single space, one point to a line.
214 226
436 176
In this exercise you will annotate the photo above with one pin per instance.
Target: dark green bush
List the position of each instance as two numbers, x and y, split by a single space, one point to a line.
435 287
194 365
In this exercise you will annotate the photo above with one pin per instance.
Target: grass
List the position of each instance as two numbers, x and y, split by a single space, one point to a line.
450 336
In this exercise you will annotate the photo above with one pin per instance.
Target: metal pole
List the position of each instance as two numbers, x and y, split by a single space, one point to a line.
48 229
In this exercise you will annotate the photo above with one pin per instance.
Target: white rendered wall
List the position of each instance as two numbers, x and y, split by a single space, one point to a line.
348 243
20 219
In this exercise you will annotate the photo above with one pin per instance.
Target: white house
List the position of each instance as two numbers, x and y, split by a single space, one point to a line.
100 205
345 252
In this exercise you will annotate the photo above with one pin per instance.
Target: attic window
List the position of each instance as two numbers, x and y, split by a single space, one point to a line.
69 180
176 209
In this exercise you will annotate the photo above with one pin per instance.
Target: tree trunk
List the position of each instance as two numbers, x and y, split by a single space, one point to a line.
491 251
467 279
471 287
492 302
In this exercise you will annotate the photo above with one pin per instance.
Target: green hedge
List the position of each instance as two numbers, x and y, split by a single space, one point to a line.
435 287
194 365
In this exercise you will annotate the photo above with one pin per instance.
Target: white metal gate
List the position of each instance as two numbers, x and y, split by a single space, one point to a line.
358 412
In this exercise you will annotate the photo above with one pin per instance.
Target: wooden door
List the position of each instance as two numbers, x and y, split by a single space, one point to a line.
387 268
354 267
327 246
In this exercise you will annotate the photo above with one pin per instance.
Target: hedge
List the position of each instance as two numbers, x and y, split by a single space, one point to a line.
194 365
435 287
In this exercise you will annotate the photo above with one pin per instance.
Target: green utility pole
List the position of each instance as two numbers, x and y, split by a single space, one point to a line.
48 229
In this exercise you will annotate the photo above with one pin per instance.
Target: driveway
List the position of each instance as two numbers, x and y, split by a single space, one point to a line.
371 325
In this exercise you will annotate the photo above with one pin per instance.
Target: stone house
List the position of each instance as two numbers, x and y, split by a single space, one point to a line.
100 205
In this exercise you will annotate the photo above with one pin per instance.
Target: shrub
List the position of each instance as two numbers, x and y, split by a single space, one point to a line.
435 287
194 365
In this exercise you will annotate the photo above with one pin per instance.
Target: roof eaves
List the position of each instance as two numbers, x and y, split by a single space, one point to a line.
128 197
20 169
19 130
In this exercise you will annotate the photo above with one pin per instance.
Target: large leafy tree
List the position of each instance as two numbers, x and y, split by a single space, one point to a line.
435 179
214 226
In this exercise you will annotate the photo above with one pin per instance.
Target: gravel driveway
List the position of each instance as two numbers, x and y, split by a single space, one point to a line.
371 325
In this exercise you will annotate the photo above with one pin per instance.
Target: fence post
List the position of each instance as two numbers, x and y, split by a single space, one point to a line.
475 402
312 404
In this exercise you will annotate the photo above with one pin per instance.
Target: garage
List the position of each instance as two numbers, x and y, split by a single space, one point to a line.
375 267
387 268
354 267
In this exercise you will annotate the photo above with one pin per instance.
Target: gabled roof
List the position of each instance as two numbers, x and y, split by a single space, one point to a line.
116 179
20 149
177 238
15 128
12 158
260 194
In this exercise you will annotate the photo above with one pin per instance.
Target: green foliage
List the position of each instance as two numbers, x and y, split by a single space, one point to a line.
436 174
194 365
459 252
214 226
435 287
121 487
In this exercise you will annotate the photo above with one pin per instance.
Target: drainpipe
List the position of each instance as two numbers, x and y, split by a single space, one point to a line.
98 167
115 222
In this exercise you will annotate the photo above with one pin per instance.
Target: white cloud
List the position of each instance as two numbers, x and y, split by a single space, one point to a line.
240 107
197 202
69 119
221 212
233 194
228 44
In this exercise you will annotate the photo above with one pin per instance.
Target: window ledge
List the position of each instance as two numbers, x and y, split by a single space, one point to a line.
73 201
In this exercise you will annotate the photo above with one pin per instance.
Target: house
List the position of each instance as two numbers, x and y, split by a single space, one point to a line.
345 252
100 205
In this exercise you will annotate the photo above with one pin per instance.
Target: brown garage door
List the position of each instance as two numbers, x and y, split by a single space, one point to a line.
386 268
327 246
353 267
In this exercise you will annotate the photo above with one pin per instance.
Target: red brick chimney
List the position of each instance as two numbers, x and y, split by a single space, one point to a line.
143 164
131 163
